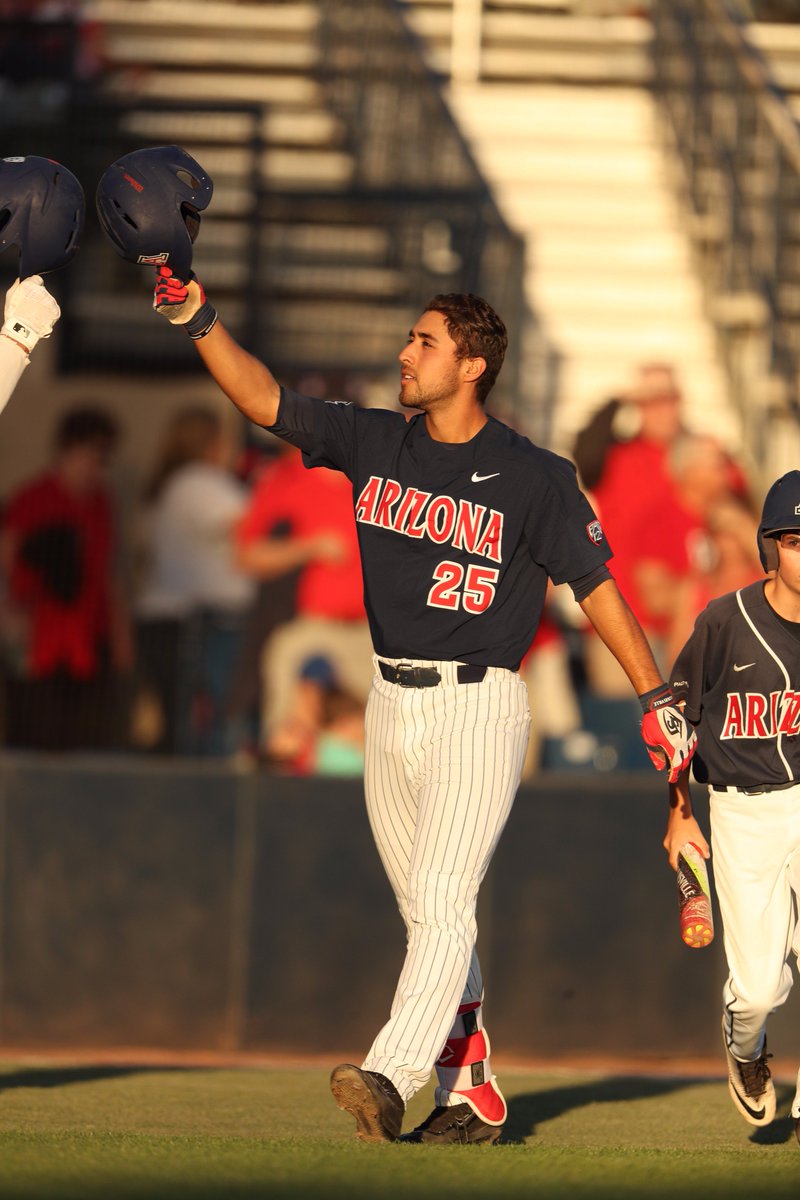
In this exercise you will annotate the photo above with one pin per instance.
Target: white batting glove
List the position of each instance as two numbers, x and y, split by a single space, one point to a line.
666 733
30 312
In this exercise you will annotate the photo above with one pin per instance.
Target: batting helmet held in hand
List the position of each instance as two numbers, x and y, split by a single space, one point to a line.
781 511
149 203
42 209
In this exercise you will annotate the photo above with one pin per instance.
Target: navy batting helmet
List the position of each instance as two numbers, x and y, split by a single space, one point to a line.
781 511
149 203
42 208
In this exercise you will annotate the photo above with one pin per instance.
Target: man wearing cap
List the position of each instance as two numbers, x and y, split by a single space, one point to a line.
738 677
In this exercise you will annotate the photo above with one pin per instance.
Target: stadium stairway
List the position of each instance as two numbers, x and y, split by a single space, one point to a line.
327 225
561 120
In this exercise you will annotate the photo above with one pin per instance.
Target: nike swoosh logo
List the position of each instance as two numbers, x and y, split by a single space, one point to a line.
476 478
743 667
756 1113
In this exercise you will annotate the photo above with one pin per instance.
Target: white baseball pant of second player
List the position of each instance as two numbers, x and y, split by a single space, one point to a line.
442 768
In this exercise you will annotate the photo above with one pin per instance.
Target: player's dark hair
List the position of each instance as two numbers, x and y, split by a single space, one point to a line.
86 427
477 331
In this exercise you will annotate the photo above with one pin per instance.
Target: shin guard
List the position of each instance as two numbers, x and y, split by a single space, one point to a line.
464 1071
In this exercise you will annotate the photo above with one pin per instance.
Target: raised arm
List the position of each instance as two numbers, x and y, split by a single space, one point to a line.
243 378
30 314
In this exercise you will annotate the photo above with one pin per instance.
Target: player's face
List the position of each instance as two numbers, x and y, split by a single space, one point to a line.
430 371
789 559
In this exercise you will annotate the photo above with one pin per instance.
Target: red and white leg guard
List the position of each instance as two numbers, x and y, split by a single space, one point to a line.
463 1068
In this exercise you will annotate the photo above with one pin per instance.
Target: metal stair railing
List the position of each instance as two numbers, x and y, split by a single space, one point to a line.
409 152
291 290
738 147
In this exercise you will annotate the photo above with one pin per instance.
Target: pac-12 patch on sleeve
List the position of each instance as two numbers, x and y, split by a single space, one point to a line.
595 531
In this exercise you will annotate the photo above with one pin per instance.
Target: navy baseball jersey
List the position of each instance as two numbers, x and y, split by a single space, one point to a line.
740 678
457 539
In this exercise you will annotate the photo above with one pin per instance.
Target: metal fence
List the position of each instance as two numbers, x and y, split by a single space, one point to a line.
321 278
738 147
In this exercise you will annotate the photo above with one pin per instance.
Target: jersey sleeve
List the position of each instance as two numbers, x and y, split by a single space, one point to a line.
687 678
323 429
562 529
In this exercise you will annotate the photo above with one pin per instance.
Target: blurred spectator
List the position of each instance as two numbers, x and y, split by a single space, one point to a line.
66 630
724 560
194 601
54 43
671 533
324 731
621 458
313 510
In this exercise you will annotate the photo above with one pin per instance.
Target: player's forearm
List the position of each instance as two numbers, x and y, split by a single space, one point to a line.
618 628
243 378
13 361
682 826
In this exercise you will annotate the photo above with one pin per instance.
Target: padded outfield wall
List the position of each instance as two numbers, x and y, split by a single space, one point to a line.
188 907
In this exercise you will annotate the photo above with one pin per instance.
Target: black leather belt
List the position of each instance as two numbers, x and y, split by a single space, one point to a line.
758 790
421 677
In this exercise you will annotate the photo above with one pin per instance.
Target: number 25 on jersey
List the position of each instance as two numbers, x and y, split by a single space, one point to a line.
472 589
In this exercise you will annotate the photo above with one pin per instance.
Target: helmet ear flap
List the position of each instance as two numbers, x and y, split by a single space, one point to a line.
768 552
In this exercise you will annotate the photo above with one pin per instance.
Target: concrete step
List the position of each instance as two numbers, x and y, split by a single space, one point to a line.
546 113
299 126
595 167
551 206
665 298
520 44
210 51
611 250
222 16
247 88
301 243
780 44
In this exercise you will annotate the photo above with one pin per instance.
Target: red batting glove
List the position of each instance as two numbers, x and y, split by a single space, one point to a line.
666 733
183 303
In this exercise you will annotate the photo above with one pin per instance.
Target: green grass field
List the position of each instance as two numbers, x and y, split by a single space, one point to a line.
117 1132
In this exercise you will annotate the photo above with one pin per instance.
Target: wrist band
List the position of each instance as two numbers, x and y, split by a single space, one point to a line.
202 322
657 697
21 335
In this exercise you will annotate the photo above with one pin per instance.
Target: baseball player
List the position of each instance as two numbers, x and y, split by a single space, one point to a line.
460 523
42 211
739 679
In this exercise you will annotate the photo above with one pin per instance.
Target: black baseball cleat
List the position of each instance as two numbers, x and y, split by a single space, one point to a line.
451 1126
372 1099
750 1085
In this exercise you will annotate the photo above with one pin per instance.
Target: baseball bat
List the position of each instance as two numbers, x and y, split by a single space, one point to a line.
694 898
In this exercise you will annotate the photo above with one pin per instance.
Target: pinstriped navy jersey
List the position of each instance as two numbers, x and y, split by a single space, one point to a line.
739 674
457 539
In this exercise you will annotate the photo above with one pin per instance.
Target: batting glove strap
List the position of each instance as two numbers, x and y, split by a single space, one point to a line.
30 312
203 322
659 697
184 303
669 739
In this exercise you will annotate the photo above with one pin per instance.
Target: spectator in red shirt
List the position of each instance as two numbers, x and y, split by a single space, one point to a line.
299 518
68 637
623 457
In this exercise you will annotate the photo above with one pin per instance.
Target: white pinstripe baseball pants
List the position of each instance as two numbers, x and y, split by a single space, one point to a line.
756 847
442 768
